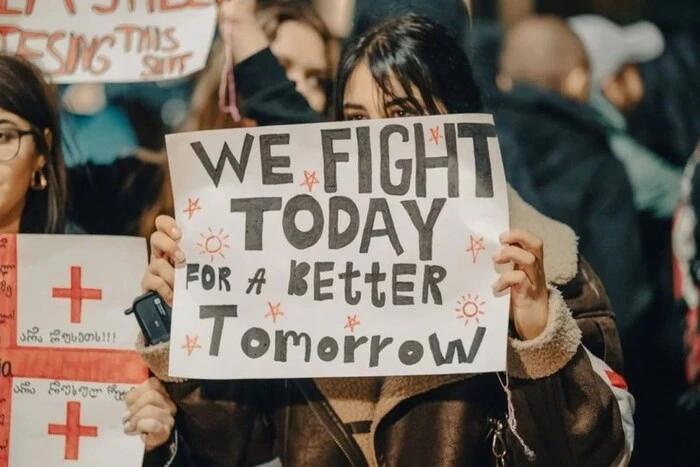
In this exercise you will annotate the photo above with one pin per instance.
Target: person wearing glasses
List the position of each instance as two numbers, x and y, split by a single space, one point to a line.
33 183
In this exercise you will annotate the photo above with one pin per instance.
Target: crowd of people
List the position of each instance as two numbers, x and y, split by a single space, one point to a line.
597 124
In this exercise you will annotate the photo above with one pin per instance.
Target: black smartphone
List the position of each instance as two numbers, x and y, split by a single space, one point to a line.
153 316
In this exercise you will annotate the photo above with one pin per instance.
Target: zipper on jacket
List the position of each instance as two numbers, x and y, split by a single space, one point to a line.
330 432
498 442
318 416
287 421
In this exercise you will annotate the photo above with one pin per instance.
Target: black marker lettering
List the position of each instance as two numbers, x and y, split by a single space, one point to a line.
405 165
376 346
281 339
215 173
298 238
219 313
482 161
254 209
269 162
397 286
380 206
331 158
432 276
410 352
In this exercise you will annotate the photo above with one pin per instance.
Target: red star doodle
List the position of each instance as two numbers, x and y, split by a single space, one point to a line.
191 344
309 180
476 246
192 207
352 322
274 312
435 135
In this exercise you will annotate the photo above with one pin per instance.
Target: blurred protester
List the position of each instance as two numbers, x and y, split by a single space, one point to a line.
668 118
614 53
451 14
298 39
686 279
686 270
545 76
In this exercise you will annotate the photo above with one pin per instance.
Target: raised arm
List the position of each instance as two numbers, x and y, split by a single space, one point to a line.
268 96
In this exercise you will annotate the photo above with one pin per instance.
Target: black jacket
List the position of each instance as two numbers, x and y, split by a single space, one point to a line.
580 182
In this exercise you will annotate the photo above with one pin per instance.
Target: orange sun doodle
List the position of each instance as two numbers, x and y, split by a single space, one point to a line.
469 308
352 322
213 244
309 180
191 344
274 312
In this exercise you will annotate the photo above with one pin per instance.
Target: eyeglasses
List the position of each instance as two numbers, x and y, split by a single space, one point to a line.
10 142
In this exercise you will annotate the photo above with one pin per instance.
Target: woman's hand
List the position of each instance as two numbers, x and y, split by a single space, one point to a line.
150 413
165 254
529 298
239 29
237 11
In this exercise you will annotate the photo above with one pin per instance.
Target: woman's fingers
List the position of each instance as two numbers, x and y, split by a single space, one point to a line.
510 279
163 246
525 240
168 226
162 268
164 242
151 426
153 283
151 384
152 398
160 278
136 425
522 259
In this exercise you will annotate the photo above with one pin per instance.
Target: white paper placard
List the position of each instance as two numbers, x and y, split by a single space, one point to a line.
67 357
339 249
110 40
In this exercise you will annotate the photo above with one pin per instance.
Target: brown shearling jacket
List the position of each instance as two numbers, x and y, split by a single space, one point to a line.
570 405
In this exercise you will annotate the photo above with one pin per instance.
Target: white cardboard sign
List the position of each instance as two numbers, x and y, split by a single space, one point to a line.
339 249
109 40
67 355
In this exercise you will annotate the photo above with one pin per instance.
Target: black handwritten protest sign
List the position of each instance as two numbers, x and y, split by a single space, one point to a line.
109 40
339 249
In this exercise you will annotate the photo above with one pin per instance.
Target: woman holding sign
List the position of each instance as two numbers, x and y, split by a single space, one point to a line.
559 404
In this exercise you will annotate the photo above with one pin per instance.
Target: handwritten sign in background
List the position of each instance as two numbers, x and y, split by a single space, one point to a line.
109 40
66 349
419 204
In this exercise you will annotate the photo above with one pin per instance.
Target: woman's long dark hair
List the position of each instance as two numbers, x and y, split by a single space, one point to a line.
25 93
417 52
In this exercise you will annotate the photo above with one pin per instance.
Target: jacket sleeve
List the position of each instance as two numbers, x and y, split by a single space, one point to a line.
569 406
612 242
656 183
268 96
222 423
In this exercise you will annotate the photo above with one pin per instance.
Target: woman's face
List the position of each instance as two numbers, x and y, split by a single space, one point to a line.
364 99
302 53
18 162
